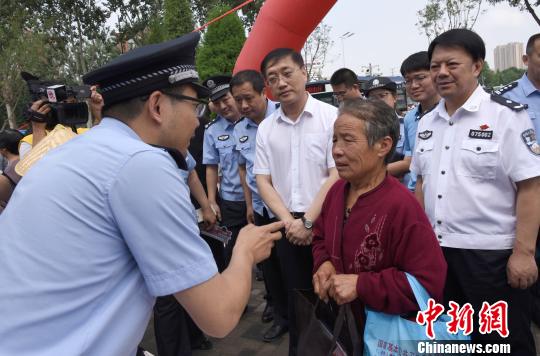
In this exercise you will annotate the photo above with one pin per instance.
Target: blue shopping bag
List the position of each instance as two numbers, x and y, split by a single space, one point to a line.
387 334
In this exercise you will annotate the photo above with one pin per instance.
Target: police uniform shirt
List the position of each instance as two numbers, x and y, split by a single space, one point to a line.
410 126
524 92
191 164
93 233
245 133
470 164
297 154
401 139
218 149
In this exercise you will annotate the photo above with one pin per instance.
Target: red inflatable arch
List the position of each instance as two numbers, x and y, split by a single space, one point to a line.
281 23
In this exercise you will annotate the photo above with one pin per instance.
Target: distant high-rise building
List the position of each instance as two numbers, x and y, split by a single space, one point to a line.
509 55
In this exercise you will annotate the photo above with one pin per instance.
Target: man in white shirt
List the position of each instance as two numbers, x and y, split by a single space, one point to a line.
294 166
478 166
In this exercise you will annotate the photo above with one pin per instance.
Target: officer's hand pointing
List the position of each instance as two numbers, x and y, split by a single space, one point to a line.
257 241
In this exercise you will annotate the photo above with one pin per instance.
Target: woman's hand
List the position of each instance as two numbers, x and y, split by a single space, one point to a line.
343 288
321 279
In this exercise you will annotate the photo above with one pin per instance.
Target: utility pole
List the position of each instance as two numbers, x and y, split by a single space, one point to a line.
343 37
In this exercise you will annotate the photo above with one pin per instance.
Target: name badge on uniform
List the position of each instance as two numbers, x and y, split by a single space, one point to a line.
243 139
529 138
223 137
424 135
481 134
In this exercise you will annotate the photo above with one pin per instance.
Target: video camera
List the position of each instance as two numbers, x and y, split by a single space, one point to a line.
66 113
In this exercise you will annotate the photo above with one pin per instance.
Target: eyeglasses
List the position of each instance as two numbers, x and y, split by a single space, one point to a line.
417 78
286 74
199 109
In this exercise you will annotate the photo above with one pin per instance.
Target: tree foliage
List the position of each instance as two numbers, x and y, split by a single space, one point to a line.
439 16
201 9
221 44
491 79
177 18
315 50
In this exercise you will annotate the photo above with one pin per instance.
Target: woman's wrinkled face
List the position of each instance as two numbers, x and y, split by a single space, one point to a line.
353 156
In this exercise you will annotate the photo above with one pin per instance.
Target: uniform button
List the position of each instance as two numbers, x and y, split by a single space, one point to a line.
439 196
439 237
451 123
447 147
421 150
443 172
478 148
439 222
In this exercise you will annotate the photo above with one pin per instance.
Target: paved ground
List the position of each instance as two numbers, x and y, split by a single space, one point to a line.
245 340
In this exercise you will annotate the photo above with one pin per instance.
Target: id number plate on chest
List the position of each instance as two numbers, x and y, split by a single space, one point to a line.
481 134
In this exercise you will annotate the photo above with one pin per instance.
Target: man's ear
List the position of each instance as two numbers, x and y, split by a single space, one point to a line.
525 59
153 106
384 145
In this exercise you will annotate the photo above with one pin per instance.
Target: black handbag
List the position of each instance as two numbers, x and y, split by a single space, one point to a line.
321 327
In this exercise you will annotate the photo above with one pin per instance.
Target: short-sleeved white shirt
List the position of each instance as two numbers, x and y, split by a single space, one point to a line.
470 163
297 154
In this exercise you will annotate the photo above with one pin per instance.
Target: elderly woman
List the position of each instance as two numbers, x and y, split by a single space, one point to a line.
371 229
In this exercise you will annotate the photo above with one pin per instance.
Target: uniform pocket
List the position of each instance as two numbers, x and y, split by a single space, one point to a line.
478 159
424 155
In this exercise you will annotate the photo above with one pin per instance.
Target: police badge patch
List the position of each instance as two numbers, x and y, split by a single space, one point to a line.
424 135
529 138
223 137
243 139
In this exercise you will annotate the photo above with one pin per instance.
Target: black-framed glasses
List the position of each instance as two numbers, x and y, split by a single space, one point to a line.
201 107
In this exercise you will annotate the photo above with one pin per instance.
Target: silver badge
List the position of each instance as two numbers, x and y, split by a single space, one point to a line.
529 138
210 84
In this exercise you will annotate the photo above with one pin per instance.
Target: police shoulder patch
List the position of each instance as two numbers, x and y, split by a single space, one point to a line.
508 103
243 139
210 123
223 137
529 139
506 88
424 135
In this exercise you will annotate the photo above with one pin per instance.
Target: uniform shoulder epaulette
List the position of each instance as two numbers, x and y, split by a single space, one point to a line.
506 88
211 123
514 105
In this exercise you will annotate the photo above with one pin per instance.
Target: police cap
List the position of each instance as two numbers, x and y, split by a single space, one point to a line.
380 83
146 69
218 86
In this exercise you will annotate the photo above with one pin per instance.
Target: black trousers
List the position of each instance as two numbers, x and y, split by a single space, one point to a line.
233 216
477 276
174 330
297 266
274 280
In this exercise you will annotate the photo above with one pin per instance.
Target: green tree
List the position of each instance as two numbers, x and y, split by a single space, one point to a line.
442 15
492 79
315 49
177 18
221 44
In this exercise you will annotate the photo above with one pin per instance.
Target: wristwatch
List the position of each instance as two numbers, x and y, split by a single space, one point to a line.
308 224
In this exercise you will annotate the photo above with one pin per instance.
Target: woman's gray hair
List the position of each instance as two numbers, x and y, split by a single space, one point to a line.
380 120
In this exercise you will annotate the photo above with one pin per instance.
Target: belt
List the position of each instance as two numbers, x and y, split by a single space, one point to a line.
297 215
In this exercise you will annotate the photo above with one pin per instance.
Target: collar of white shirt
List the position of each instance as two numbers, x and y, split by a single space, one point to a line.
309 109
472 104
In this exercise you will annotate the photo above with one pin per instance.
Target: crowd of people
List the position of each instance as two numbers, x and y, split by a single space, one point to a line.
117 222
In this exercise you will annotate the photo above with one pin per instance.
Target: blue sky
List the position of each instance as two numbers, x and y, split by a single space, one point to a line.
385 32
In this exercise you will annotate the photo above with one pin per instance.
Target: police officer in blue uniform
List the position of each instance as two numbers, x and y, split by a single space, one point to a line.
247 88
526 90
383 88
219 155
